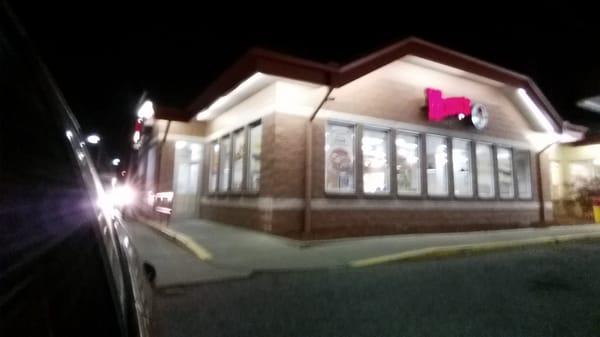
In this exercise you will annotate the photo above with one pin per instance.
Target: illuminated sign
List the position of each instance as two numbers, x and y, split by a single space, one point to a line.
439 108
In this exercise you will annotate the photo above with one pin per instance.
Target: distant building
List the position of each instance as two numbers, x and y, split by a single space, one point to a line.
411 138
574 168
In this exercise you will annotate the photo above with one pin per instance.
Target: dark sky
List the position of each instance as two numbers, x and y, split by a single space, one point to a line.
104 56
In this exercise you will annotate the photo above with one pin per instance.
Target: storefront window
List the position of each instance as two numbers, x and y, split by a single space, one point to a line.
485 171
523 173
376 165
462 167
239 143
408 166
214 167
255 147
437 165
225 164
339 158
505 173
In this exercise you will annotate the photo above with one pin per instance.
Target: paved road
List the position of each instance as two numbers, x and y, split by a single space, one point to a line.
551 291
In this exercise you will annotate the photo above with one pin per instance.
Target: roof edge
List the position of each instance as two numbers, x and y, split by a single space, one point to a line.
279 64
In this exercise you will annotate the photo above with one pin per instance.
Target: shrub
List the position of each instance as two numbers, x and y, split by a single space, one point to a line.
585 192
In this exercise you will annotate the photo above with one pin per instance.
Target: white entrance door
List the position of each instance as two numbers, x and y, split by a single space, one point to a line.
187 173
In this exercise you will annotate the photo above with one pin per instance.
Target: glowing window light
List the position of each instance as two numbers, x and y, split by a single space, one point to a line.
146 111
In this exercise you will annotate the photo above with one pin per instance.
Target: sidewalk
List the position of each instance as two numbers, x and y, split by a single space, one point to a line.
174 265
239 248
232 252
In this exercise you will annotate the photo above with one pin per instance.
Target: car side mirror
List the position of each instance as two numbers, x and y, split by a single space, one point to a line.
149 272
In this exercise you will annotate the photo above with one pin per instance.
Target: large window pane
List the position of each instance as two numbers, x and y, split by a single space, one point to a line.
462 167
408 165
214 167
523 172
505 173
339 158
239 143
437 165
255 147
376 165
485 171
225 161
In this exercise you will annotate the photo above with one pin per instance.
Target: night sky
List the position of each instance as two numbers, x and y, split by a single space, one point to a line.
104 56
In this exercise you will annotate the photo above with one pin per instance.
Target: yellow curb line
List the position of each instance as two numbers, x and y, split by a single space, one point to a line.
456 250
183 240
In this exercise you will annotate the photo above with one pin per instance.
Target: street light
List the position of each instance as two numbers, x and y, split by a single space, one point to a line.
116 162
146 111
93 139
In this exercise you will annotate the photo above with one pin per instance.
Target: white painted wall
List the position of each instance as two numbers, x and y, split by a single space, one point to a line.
252 108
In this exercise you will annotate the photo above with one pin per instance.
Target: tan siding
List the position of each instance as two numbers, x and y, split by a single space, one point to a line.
197 129
377 95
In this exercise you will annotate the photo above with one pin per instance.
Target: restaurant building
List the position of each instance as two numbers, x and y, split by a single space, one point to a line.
411 138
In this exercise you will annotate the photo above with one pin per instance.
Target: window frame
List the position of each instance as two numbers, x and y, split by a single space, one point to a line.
497 169
518 194
210 162
388 133
357 157
449 179
422 194
221 156
472 165
243 130
492 148
246 190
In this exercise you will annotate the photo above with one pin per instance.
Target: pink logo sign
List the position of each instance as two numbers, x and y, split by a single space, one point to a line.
440 108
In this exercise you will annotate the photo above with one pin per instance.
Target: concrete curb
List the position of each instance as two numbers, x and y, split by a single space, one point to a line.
466 249
181 239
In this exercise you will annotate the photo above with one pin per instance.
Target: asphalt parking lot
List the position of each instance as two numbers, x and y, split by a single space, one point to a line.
544 291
